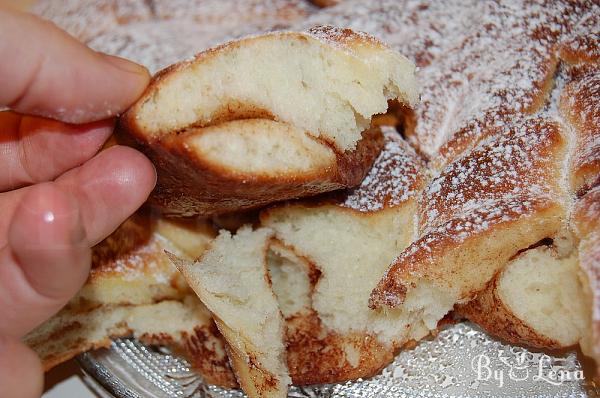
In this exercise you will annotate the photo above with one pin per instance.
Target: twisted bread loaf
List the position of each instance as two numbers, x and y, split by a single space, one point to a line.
509 123
232 130
469 94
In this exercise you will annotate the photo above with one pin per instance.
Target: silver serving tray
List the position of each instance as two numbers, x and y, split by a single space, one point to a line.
462 361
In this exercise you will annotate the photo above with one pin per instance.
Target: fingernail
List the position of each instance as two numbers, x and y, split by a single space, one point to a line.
126 65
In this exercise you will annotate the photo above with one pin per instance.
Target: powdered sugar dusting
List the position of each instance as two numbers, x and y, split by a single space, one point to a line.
337 37
480 61
393 179
506 176
580 106
583 42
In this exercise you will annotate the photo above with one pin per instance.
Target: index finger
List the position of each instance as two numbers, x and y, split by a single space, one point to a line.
46 72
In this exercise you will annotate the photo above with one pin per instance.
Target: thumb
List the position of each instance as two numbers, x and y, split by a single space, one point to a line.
46 72
20 370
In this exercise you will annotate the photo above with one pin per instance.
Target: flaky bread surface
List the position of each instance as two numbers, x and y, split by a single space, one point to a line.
231 280
267 118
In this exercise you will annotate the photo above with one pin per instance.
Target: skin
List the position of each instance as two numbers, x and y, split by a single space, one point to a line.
59 195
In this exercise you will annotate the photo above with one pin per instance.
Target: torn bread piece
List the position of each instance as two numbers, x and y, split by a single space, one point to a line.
503 196
130 268
344 243
315 353
231 279
267 118
131 275
185 326
536 300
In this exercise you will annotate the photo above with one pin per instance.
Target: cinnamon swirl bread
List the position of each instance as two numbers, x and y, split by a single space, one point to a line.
267 118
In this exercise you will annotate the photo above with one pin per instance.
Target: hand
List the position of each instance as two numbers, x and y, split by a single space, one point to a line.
57 196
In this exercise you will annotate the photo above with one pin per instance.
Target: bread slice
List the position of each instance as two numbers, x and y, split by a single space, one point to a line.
267 118
536 300
346 243
129 267
184 326
503 196
231 280
134 289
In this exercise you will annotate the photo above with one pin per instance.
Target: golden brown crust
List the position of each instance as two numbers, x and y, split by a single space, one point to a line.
316 355
188 185
580 107
586 220
489 311
504 190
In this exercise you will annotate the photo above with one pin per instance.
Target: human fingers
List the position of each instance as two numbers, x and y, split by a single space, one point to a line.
36 149
46 72
21 373
47 255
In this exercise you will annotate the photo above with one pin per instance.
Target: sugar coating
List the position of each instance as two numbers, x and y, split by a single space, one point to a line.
480 62
393 179
506 176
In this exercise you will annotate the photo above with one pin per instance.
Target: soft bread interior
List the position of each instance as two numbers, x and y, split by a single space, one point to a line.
231 280
545 291
69 332
141 273
329 83
260 147
352 250
290 280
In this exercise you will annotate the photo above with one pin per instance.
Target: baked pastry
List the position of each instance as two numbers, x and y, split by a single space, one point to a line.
501 197
330 336
476 98
537 300
185 326
469 91
231 280
133 289
339 244
225 141
578 106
